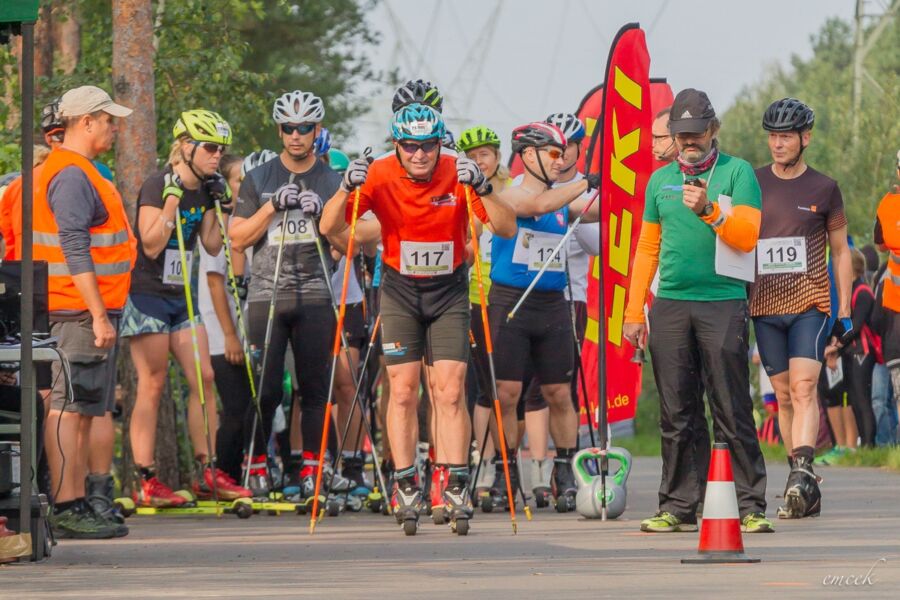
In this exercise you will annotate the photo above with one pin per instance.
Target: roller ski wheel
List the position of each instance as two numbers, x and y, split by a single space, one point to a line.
437 515
460 526
542 497
243 508
410 526
334 507
125 505
487 503
565 503
375 502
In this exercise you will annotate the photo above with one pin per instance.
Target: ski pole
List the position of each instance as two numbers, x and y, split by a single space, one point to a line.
270 321
550 258
336 348
245 343
489 347
579 367
185 278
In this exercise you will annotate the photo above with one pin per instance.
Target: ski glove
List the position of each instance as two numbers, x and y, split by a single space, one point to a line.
593 181
310 203
240 287
286 197
172 186
468 173
356 174
218 189
843 330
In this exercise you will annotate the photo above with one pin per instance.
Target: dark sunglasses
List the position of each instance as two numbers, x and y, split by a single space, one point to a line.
211 147
426 147
302 128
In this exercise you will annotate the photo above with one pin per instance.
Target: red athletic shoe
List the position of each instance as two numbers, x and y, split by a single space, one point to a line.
155 493
227 488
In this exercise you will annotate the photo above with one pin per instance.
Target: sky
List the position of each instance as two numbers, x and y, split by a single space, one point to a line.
544 55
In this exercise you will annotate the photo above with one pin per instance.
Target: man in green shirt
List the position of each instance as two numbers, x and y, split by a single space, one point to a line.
703 203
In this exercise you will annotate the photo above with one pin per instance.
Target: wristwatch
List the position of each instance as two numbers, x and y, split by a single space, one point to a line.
487 189
708 209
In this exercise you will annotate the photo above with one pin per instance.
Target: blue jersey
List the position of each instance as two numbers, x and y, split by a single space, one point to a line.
516 261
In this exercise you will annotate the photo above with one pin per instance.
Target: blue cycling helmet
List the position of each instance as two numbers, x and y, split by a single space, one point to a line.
322 143
569 124
417 122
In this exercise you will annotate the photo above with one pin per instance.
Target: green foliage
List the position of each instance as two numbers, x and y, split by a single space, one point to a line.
825 82
231 56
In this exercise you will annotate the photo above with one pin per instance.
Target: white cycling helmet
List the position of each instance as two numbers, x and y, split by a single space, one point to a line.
298 107
254 159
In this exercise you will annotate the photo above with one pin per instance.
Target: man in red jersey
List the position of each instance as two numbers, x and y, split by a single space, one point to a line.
418 195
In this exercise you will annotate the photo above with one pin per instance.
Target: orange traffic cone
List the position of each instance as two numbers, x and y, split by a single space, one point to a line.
720 529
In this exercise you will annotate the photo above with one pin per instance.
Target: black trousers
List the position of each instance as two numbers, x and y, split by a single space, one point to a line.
309 329
697 345
236 418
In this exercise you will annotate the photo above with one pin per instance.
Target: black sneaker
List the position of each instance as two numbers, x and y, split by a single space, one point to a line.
81 522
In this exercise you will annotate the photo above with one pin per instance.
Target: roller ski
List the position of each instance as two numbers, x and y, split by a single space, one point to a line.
540 480
562 484
457 507
802 497
439 478
407 505
497 497
426 474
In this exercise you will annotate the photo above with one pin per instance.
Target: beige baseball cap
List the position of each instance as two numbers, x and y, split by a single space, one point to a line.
87 99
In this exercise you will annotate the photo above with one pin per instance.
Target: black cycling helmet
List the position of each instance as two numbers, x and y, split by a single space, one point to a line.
788 114
420 91
50 121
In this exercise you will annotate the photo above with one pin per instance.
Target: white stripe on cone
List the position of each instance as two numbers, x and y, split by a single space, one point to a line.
721 501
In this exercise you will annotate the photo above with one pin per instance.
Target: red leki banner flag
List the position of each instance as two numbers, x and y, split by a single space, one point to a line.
623 150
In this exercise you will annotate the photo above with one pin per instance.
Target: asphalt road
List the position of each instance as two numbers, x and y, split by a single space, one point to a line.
553 556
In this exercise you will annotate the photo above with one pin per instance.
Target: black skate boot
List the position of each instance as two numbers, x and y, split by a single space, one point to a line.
562 484
802 497
497 496
458 506
407 505
100 492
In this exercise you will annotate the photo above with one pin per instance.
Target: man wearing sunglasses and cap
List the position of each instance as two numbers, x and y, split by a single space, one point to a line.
82 231
699 319
296 182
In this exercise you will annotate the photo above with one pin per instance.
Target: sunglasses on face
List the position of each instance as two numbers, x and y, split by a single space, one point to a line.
211 147
553 153
412 148
302 129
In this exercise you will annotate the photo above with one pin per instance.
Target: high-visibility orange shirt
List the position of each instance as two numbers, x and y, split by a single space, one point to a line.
412 211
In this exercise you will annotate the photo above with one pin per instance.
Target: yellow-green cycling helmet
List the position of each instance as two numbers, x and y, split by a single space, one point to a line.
203 126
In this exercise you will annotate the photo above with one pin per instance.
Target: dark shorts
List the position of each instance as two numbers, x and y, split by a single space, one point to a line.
425 317
540 332
355 326
92 370
145 313
783 337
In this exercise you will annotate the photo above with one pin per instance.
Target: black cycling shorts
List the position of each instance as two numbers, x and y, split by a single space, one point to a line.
355 326
541 331
783 337
425 317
